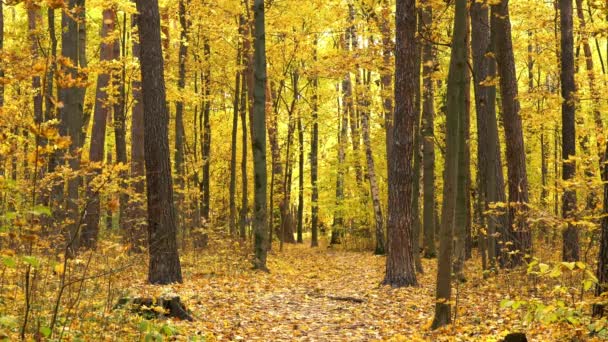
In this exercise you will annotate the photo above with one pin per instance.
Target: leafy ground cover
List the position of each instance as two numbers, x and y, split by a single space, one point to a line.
321 294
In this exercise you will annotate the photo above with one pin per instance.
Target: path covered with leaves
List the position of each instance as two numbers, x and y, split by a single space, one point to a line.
321 294
326 294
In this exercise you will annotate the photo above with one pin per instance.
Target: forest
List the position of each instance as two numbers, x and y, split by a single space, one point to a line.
279 170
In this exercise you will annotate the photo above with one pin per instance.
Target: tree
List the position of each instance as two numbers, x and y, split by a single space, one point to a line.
164 266
314 158
427 134
490 174
259 138
570 251
516 232
90 230
456 108
72 97
400 269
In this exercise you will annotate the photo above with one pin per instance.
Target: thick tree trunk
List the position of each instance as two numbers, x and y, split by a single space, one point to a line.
517 230
490 168
72 116
259 138
456 107
90 230
400 269
570 251
164 264
428 136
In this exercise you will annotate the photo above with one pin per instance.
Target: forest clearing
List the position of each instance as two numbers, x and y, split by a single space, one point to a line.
351 170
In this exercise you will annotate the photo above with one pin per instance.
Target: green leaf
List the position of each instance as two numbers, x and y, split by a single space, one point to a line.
506 303
587 284
41 210
167 330
45 331
144 326
9 321
9 262
33 261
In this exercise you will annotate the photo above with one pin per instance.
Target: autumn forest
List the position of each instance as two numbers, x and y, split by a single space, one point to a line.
278 170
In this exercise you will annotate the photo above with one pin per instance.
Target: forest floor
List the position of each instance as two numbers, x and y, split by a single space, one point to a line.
320 294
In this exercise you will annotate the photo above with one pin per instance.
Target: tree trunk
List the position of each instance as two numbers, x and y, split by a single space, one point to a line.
570 251
300 180
72 48
428 135
179 154
136 230
164 264
90 230
259 137
235 123
314 158
400 269
380 248
206 143
456 107
602 267
337 230
490 172
517 230
244 147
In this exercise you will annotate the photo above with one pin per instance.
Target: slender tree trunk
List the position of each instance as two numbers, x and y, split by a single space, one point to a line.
314 158
244 147
337 230
136 228
206 143
90 230
259 137
456 108
602 267
300 180
517 230
235 123
371 173
400 269
179 105
428 135
570 251
164 264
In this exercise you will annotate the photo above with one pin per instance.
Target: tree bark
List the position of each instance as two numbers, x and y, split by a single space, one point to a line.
72 115
428 135
456 108
517 230
314 158
164 264
136 230
90 230
235 123
400 269
570 250
259 138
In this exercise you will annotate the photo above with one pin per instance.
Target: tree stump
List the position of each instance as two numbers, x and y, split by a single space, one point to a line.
515 337
152 308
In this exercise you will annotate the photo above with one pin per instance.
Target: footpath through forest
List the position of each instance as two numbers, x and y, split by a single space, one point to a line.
325 294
